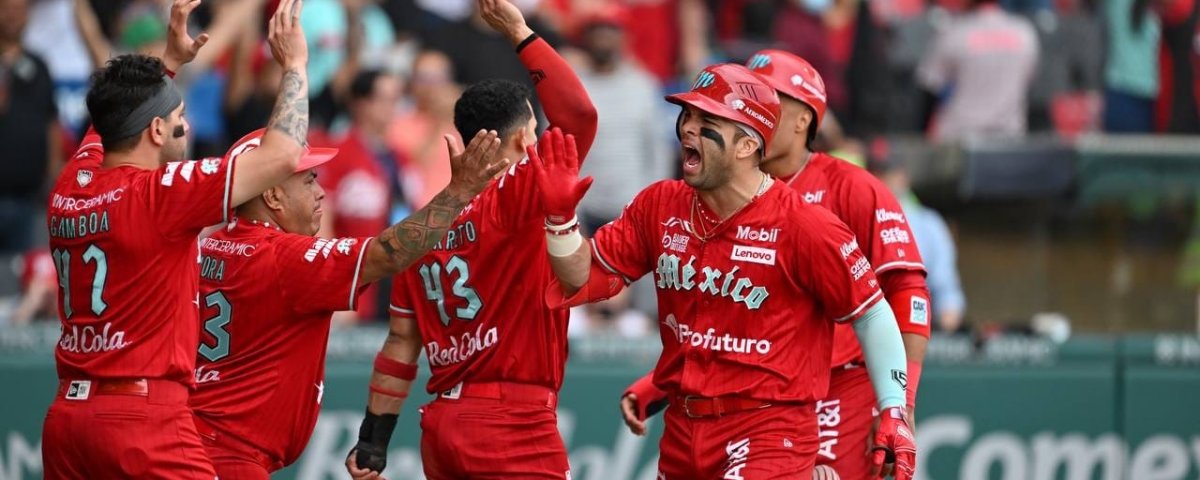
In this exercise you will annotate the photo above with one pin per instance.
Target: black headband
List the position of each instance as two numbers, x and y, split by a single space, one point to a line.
159 105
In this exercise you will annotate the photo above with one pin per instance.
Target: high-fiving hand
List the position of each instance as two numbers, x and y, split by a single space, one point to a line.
181 47
472 168
556 163
894 450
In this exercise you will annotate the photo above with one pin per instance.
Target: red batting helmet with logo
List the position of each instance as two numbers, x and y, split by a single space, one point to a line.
792 76
733 92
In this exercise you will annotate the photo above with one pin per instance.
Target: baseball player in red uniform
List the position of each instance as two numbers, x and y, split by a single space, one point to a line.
750 281
846 414
123 221
476 303
269 289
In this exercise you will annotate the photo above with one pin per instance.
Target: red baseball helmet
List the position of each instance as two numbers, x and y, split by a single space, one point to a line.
732 92
792 76
312 157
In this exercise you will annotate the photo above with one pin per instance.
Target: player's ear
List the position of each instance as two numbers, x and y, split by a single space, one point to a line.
746 146
518 139
273 198
158 131
803 120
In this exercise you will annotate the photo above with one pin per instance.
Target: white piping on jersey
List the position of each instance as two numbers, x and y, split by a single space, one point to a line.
357 268
905 265
512 170
596 254
402 311
228 190
869 302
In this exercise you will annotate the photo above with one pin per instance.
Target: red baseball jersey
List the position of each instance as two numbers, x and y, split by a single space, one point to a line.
865 205
266 300
478 296
124 246
751 310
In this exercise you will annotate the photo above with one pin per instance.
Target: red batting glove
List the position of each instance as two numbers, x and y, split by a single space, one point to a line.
894 443
556 162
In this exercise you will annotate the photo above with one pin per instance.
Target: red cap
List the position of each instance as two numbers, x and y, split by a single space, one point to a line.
732 92
792 76
313 156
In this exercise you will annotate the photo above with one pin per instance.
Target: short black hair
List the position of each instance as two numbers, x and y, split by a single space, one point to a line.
117 89
493 104
363 85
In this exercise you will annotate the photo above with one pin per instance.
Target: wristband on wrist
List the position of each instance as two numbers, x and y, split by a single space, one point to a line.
559 227
528 40
377 429
568 228
559 245
393 368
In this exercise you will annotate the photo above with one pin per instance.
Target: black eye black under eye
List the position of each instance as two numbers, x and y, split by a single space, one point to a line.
714 136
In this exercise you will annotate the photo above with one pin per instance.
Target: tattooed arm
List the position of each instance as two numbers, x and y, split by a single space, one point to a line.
287 129
399 245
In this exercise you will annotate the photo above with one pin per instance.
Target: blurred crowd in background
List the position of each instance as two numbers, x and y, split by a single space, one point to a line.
384 76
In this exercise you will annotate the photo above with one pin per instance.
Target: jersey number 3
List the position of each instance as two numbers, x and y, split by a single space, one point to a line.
218 327
431 275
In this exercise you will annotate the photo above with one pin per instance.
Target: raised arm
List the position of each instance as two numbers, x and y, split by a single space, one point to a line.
560 91
287 129
401 244
557 171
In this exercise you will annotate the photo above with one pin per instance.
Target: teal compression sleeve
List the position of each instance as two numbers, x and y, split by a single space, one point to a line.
884 351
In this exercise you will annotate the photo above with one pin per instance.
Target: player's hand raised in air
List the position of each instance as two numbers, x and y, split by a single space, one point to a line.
181 47
506 18
286 37
556 163
894 450
472 168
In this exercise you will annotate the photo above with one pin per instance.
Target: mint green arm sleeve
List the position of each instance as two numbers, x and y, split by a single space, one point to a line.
884 351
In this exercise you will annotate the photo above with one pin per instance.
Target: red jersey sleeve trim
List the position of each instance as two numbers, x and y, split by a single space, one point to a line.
899 265
861 308
362 253
598 256
228 197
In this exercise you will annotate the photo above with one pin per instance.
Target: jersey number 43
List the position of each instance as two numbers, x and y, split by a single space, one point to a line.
433 278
